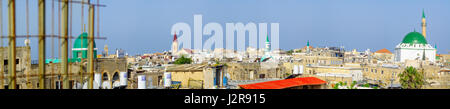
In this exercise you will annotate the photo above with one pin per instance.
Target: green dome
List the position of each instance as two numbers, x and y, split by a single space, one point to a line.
78 41
414 38
80 47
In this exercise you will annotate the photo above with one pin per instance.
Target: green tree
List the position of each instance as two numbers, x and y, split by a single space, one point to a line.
410 78
183 60
290 52
352 86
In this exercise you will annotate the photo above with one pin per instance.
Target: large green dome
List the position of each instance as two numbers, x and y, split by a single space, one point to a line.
80 47
82 43
414 38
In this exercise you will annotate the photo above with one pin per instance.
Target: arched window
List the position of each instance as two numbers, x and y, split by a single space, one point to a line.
115 77
105 77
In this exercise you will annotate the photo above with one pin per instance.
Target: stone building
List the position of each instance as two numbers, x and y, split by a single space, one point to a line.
253 71
386 75
23 66
27 72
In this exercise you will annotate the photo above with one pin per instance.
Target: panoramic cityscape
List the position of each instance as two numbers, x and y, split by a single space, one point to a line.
80 44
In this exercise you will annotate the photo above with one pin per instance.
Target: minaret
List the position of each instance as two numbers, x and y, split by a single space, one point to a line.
267 45
424 25
106 50
307 47
175 44
266 51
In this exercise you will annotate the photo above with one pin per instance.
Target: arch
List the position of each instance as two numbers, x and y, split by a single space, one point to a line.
105 76
115 81
115 76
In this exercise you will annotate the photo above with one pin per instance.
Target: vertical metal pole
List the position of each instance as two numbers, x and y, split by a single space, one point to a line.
70 42
41 44
64 34
91 46
12 44
53 45
1 54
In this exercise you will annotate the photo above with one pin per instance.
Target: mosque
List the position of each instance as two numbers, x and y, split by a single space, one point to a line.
414 46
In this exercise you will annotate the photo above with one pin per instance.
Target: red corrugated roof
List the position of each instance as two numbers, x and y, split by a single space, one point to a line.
287 83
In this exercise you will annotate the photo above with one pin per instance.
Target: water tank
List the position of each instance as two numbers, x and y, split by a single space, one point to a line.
295 69
97 80
300 69
142 82
123 79
167 79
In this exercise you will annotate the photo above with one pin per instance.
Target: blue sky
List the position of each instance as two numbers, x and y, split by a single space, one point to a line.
141 26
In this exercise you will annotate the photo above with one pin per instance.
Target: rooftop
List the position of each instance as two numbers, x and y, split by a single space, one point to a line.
286 83
384 50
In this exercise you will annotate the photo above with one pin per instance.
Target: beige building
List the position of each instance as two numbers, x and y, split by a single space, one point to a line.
386 75
198 76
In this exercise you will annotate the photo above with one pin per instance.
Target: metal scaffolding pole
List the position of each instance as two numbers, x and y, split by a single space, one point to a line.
91 46
64 38
1 45
41 44
12 44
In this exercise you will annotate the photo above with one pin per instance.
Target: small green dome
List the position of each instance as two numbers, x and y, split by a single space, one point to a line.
78 41
414 38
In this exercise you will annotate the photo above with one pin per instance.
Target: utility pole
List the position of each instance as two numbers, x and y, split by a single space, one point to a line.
91 46
12 44
41 44
64 34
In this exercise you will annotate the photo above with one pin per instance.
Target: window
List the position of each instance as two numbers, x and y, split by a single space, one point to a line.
79 54
116 76
105 77
57 85
262 75
159 80
6 61
71 83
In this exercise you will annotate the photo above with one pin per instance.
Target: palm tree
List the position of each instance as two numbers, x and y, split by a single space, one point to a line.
410 78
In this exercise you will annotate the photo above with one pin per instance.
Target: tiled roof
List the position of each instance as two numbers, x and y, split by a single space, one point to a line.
384 50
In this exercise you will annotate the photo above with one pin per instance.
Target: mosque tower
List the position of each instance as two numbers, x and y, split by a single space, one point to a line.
267 45
424 25
307 47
